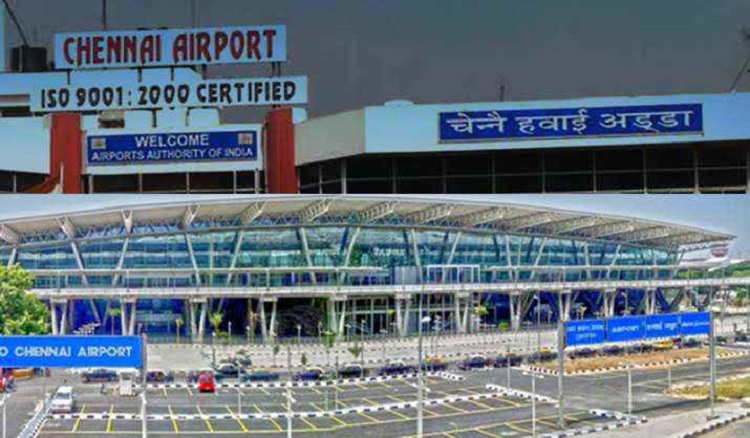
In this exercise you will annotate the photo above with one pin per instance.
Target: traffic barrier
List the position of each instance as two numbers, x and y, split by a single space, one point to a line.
520 394
293 384
275 415
715 424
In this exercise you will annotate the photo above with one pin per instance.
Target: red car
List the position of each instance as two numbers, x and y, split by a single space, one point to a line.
206 383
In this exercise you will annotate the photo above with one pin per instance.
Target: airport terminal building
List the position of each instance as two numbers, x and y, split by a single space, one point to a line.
364 265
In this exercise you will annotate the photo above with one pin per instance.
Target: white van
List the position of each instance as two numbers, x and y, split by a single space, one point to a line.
63 400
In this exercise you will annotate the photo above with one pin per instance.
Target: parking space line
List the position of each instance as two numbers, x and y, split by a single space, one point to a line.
455 408
164 389
338 420
484 432
272 420
316 390
399 414
175 426
264 390
309 423
367 400
109 420
578 420
481 405
360 386
190 391
547 423
77 423
514 426
317 407
369 417
239 420
208 422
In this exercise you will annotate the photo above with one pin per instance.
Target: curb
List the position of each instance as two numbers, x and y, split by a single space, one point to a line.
715 424
292 384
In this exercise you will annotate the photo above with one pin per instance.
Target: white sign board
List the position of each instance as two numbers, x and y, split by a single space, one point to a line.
170 47
284 90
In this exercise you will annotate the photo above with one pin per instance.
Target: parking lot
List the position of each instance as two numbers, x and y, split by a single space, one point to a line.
457 408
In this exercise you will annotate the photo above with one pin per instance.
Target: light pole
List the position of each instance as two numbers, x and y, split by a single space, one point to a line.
712 358
533 376
229 327
213 349
247 330
299 339
289 401
420 396
5 400
629 367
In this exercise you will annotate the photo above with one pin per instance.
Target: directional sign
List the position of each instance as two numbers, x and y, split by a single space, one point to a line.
584 332
71 351
662 326
625 328
696 323
282 90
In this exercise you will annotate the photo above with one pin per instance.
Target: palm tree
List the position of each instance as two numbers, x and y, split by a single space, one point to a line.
177 324
216 319
113 312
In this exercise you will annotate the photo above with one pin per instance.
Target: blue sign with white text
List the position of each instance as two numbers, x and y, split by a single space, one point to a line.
172 147
625 328
695 323
662 326
584 332
570 122
71 351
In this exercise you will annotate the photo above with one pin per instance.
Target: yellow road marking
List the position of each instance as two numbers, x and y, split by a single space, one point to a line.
484 432
77 424
317 391
367 400
309 423
455 408
317 407
547 423
360 386
371 418
481 405
109 421
175 426
190 391
208 422
518 428
264 390
338 420
239 420
399 414
164 389
272 420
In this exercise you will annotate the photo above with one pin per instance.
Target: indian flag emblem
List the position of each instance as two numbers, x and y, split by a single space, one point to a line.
99 143
245 138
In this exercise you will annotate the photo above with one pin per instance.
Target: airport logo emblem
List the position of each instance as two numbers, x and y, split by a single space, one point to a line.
99 143
245 138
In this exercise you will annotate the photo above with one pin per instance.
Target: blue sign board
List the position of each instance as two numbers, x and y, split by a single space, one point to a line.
71 351
553 123
662 326
636 328
625 328
584 332
697 323
180 147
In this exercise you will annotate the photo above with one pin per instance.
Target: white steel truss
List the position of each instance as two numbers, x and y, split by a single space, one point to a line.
377 211
315 210
482 217
430 214
7 234
252 212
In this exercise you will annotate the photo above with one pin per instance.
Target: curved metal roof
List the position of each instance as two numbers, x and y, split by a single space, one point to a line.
389 211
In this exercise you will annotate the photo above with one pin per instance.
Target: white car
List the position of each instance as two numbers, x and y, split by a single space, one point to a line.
63 400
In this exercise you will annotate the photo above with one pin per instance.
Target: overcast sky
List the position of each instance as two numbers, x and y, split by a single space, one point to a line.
365 52
719 213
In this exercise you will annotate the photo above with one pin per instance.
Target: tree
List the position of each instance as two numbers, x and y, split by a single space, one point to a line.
303 360
20 312
177 324
216 319
355 350
112 313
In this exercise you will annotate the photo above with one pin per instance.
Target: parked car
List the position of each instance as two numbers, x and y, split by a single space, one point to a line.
434 363
206 383
582 353
612 350
63 401
741 337
639 348
396 368
227 370
159 376
662 345
508 359
260 376
471 362
99 375
243 361
690 343
309 375
543 355
352 370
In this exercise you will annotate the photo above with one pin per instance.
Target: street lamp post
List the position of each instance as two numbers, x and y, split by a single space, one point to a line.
230 331
247 330
213 349
712 359
5 402
299 339
420 389
533 376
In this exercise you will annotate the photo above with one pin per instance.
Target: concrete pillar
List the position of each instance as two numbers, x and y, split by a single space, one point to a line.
564 304
202 305
407 314
193 325
609 302
331 307
515 310
464 303
53 314
123 317
399 317
262 319
272 323
456 313
132 317
342 319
